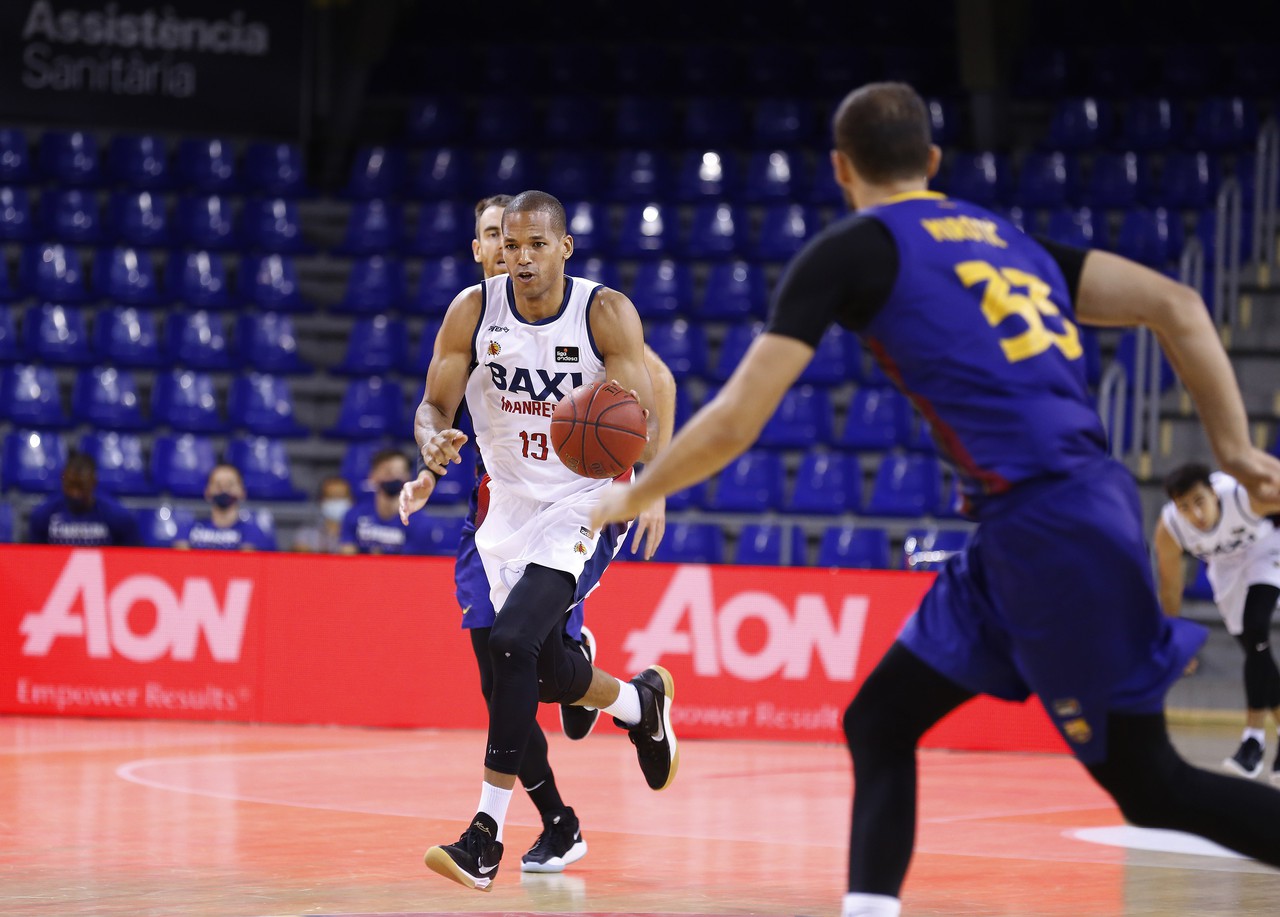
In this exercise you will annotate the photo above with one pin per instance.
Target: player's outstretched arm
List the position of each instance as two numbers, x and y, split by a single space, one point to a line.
1116 292
1170 572
616 328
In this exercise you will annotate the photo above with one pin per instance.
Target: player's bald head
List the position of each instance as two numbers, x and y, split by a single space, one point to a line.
538 202
883 129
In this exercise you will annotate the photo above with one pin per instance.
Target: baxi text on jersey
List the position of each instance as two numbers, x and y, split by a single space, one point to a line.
538 384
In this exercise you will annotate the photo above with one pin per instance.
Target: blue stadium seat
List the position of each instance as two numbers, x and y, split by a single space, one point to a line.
442 534
682 346
107 398
570 120
662 288
33 461
713 122
781 122
160 524
436 119
139 161
442 228
180 464
928 548
140 218
29 396
16 223
54 273
733 348
599 270
803 418
376 345
734 290
1126 357
705 175
264 465
1150 124
69 157
442 279
876 417
1225 124
588 223
713 232
376 172
1116 180
198 340
855 547
1078 226
1152 237
643 121
127 336
691 498
417 362
71 215
374 226
503 122
646 231
15 156
126 275
944 122
442 174
905 485
982 178
6 523
751 484
1206 224
1187 180
122 470
827 483
836 361
10 344
371 408
184 399
773 176
764 545
1046 180
271 282
375 284
198 279
508 171
355 462
1079 124
57 334
206 222
272 225
275 169
640 175
268 343
784 228
207 165
580 172
691 543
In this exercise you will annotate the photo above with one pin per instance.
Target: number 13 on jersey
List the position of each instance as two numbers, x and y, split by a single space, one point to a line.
1000 302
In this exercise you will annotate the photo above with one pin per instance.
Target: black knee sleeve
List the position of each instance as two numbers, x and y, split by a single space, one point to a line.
564 675
1261 677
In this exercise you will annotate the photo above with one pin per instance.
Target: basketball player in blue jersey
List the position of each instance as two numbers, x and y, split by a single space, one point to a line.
977 323
513 346
561 841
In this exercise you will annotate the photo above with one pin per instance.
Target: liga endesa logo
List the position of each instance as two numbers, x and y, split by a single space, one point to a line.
80 607
799 630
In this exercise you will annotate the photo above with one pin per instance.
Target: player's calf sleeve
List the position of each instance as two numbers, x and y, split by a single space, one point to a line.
1261 677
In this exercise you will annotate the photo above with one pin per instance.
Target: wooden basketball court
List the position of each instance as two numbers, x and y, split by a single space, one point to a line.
110 817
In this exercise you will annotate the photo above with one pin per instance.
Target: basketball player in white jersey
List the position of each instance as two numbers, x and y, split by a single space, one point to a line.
514 346
1211 517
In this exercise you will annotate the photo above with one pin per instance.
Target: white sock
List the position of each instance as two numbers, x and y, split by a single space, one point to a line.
493 802
627 706
1259 734
860 905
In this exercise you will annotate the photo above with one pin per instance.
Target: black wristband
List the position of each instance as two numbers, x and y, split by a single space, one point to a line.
422 466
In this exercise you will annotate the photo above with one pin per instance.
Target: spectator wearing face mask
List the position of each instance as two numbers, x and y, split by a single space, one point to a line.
80 515
324 536
373 525
227 528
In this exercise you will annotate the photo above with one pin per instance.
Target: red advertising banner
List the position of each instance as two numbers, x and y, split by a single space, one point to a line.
761 653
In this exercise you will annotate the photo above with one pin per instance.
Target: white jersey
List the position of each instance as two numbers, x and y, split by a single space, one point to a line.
523 369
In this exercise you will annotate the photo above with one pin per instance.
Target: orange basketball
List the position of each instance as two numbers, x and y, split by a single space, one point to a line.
599 430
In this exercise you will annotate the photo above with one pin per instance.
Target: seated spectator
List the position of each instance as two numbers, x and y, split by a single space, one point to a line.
80 515
324 535
373 525
226 529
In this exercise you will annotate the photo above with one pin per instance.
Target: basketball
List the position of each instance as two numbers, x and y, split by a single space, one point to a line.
599 430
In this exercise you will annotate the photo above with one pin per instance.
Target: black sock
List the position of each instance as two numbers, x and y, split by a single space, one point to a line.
546 798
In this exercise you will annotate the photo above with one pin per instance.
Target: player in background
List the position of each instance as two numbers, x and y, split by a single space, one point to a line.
372 525
81 515
1053 595
513 345
561 841
1211 517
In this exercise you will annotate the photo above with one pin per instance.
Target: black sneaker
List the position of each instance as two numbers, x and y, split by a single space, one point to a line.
653 737
473 860
1247 761
577 722
559 844
1275 771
